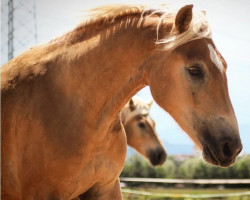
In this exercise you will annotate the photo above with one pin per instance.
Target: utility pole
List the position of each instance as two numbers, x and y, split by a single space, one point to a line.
10 29
18 27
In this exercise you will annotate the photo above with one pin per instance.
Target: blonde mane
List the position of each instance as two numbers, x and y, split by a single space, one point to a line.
141 108
199 27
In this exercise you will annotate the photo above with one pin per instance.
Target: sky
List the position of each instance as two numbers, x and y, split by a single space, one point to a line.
230 24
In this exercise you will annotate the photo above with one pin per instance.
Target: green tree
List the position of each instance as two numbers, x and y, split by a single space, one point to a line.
170 169
135 166
188 168
243 167
191 168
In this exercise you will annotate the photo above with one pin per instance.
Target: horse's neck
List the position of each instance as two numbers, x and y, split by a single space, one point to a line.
109 69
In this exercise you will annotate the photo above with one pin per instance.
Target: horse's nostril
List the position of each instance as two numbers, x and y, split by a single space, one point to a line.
161 157
157 157
227 149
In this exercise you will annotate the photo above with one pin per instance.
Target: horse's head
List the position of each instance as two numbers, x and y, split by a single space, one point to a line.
189 81
140 131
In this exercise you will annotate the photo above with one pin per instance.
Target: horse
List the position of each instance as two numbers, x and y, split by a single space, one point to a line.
140 131
61 129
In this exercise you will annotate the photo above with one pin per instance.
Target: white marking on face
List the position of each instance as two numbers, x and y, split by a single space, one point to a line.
214 58
150 121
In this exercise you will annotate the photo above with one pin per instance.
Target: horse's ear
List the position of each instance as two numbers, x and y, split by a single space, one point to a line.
131 105
183 18
150 103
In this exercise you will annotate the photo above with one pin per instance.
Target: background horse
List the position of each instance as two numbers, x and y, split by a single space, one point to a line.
140 131
61 131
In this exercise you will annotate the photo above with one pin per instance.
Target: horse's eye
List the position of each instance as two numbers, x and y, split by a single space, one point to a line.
195 72
141 125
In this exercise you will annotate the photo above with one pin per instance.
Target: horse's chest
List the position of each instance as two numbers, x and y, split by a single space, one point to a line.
105 162
110 156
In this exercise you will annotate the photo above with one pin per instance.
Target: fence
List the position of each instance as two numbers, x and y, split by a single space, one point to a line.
187 181
186 196
241 195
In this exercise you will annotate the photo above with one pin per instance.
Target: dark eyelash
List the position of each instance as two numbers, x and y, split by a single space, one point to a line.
195 72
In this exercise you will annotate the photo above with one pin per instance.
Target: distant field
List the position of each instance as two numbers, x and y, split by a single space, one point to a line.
183 194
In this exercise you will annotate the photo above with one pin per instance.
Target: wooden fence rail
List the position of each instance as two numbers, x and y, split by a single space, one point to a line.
240 195
186 196
187 181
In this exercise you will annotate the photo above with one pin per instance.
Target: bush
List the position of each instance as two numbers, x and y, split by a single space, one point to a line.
191 168
243 167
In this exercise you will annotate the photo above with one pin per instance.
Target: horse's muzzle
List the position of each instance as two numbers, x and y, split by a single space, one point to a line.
220 141
157 156
222 153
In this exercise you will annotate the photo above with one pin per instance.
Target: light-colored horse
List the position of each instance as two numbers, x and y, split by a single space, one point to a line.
61 131
140 131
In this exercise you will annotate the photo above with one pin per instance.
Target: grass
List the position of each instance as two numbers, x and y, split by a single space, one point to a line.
177 192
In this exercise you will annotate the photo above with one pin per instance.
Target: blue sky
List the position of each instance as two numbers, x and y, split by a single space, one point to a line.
231 33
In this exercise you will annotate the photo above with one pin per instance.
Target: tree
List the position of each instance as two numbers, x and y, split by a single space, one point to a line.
243 167
191 168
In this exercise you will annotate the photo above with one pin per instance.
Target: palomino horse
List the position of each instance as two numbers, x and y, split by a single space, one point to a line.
140 131
61 130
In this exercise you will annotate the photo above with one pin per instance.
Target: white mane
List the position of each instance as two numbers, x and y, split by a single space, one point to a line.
199 27
141 108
